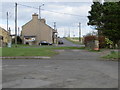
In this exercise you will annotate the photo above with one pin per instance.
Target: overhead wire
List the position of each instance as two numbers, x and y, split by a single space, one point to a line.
52 11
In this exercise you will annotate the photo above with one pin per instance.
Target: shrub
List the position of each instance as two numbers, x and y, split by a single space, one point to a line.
102 42
91 38
108 43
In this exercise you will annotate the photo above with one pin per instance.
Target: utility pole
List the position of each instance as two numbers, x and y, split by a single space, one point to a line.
40 11
18 31
69 31
15 23
9 31
7 21
56 33
80 32
9 40
54 25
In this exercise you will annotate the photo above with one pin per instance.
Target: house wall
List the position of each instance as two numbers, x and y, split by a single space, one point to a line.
37 28
45 33
5 35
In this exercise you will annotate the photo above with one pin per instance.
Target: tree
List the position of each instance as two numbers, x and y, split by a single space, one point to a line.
111 20
95 16
106 18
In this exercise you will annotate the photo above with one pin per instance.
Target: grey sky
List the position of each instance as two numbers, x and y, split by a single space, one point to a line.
65 23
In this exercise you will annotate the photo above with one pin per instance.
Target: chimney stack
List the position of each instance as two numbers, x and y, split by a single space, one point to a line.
35 16
43 20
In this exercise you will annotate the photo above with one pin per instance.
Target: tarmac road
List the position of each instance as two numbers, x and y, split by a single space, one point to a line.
68 43
69 69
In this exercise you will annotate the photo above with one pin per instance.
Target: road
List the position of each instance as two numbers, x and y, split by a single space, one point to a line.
68 43
69 69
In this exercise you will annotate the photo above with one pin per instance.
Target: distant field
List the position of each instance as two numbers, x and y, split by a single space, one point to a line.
73 40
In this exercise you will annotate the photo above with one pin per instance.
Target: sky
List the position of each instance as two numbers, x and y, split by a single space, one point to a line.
67 15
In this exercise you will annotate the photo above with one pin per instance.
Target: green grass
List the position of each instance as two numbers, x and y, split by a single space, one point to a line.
72 40
33 51
27 52
112 55
75 38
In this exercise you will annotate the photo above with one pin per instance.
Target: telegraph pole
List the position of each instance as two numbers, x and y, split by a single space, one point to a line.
54 25
9 31
79 32
18 31
10 39
15 23
57 33
7 21
69 31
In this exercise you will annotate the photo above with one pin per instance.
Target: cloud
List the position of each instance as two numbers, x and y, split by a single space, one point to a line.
48 12
47 0
64 19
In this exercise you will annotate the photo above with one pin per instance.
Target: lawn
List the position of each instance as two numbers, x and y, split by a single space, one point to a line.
33 51
27 52
113 55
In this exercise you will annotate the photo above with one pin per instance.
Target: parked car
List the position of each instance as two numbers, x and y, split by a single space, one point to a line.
60 42
44 43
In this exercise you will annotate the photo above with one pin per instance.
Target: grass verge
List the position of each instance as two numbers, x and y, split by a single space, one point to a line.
27 52
33 51
112 55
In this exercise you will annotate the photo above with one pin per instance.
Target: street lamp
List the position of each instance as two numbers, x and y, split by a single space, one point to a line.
40 11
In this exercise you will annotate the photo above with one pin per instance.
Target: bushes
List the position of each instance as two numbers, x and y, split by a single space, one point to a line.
109 43
89 38
89 41
102 43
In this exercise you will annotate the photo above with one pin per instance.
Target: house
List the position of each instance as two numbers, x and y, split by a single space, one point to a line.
4 37
37 30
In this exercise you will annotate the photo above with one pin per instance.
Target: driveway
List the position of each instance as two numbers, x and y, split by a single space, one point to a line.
69 69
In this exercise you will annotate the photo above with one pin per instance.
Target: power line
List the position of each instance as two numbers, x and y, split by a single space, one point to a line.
63 13
52 11
28 6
